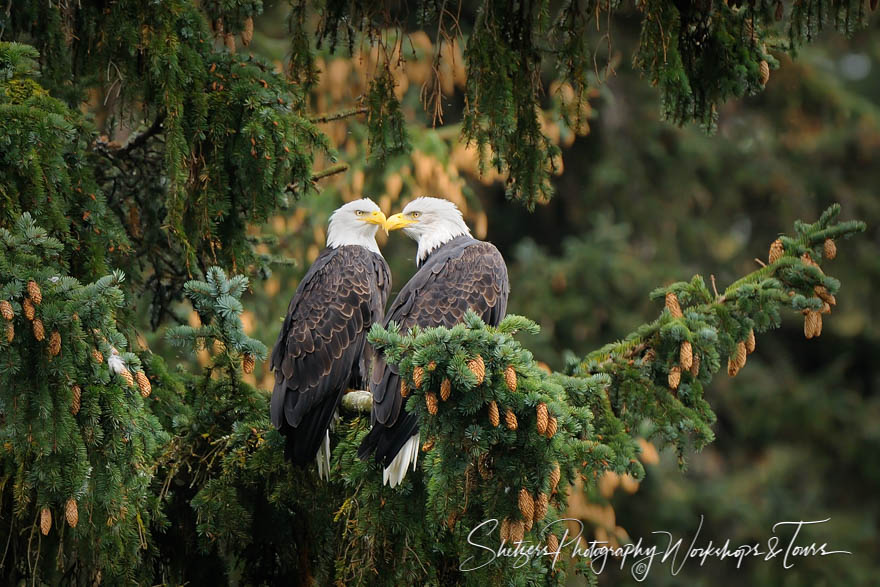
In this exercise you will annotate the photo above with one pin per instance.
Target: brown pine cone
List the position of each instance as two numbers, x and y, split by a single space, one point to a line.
445 389
542 502
504 530
10 332
517 531
824 295
478 368
555 476
741 354
97 356
6 310
494 416
431 366
39 330
674 377
672 305
418 376
510 419
34 292
428 445
686 355
695 367
126 375
404 389
248 362
28 306
45 521
812 324
551 427
229 39
510 377
543 418
55 343
765 72
247 33
776 251
143 383
431 402
750 341
526 504
71 512
830 249
76 400
552 543
732 367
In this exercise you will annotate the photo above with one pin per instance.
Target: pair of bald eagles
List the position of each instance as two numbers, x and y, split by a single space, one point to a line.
322 348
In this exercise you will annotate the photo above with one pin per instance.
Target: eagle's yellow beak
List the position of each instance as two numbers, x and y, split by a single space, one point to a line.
398 221
376 218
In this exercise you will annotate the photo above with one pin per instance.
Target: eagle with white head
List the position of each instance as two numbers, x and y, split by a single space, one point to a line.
456 273
321 350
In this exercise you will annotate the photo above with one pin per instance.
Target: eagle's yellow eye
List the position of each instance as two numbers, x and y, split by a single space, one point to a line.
359 212
415 214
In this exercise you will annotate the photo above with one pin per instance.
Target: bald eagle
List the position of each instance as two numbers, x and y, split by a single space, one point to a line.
321 349
456 273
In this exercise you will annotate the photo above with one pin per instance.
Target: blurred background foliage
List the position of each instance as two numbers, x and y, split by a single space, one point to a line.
638 203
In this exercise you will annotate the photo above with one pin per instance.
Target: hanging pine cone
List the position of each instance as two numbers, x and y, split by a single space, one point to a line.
686 355
812 324
526 504
672 305
6 310
229 39
418 376
71 512
765 72
649 357
97 356
247 33
478 368
510 419
126 376
510 377
674 377
750 341
776 251
431 402
807 259
34 292
404 389
428 445
552 425
543 418
830 249
695 367
248 362
504 530
39 330
55 343
45 521
732 367
552 543
555 475
741 353
445 389
28 307
494 416
75 402
823 294
143 383
10 332
542 503
528 524
517 531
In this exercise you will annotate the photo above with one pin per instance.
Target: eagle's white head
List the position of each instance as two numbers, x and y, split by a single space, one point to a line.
355 223
431 222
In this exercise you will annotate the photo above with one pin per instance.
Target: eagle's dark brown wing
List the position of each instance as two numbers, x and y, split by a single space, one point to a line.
320 349
461 275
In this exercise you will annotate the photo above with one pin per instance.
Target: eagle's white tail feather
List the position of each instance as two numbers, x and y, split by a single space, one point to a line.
394 473
323 457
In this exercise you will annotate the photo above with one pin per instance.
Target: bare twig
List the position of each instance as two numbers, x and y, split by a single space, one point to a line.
339 115
328 171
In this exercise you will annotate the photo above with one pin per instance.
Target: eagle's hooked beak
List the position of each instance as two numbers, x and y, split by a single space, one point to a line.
398 221
376 218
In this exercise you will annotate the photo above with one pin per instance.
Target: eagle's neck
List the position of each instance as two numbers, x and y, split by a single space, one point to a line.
442 233
340 238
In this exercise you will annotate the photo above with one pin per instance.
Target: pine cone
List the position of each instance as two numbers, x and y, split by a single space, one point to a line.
494 417
526 504
510 377
732 367
143 383
478 368
55 343
71 512
45 521
807 259
542 503
28 307
34 292
765 72
39 330
741 353
674 377
517 531
812 324
830 249
418 376
543 418
686 355
552 543
126 375
750 341
555 476
776 251
431 402
445 389
97 356
823 294
672 305
826 308
552 425
504 531
247 33
248 362
510 419
76 400
695 367
6 310
10 332
431 366
229 39
404 389
428 445
649 357
527 524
